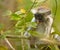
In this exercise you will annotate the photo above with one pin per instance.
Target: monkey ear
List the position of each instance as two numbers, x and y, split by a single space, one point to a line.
34 11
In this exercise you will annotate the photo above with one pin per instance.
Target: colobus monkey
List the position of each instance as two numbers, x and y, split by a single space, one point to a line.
44 20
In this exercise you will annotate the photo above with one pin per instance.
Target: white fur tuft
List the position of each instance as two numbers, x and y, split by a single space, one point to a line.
34 11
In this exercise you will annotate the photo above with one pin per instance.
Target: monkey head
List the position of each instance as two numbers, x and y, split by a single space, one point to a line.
41 14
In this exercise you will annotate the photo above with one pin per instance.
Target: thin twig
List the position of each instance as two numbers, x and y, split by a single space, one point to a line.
7 41
22 42
16 36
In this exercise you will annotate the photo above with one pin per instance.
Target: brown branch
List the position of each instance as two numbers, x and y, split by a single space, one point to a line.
10 45
16 36
46 41
50 41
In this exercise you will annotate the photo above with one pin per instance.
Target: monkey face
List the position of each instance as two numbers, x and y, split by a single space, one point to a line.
41 14
39 17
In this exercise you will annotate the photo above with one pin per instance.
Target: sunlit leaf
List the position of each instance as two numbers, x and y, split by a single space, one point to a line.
15 17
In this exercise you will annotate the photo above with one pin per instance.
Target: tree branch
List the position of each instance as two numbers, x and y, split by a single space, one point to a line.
46 41
16 36
7 41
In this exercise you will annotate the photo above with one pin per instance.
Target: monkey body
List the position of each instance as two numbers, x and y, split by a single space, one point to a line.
44 20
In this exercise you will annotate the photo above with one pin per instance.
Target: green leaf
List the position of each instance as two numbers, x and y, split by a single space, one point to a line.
15 17
31 24
20 24
29 17
25 20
